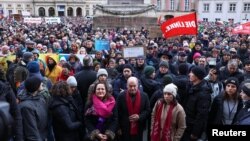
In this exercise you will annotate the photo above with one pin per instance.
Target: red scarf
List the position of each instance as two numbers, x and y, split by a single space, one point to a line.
103 108
133 108
166 134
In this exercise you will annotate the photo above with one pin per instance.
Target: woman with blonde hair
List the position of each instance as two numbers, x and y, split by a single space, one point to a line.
101 117
168 117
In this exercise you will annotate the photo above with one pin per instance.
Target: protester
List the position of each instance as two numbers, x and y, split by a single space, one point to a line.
101 117
168 117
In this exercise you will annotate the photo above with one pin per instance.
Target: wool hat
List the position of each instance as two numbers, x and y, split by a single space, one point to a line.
246 89
27 56
232 80
199 72
163 64
32 84
33 67
171 88
87 61
167 79
62 59
183 69
128 66
148 70
102 72
71 81
196 55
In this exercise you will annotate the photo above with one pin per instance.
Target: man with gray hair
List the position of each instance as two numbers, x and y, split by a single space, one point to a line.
133 111
231 70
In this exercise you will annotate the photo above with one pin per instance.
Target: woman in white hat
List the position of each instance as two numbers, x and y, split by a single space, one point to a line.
168 117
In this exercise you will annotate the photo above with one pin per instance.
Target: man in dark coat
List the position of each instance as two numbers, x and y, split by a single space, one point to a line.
133 111
85 77
197 104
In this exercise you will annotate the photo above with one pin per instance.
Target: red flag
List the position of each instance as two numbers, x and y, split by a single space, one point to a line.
182 25
242 29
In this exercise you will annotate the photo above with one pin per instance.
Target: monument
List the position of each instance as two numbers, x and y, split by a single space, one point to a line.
125 13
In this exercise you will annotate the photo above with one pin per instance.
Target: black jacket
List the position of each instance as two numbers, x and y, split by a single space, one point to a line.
123 116
34 111
66 119
197 106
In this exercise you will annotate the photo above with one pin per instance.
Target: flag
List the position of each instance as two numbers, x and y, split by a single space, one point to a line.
242 29
182 25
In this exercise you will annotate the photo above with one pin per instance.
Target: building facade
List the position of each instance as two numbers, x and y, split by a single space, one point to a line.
47 8
224 10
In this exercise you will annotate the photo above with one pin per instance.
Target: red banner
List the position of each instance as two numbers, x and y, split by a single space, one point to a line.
242 29
182 25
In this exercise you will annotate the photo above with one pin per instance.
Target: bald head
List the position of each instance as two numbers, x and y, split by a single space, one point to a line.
132 85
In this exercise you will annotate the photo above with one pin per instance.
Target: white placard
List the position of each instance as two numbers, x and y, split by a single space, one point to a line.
130 52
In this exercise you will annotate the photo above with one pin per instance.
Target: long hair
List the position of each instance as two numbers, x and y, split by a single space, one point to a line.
108 94
61 88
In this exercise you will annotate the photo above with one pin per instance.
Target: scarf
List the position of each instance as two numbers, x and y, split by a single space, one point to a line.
166 134
133 108
103 108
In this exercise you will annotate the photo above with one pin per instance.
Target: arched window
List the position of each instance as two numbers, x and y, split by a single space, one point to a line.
79 11
41 12
70 11
51 11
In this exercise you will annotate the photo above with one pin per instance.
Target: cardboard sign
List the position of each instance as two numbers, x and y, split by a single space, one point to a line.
133 52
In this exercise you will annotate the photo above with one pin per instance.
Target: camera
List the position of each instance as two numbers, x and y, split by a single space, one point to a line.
6 121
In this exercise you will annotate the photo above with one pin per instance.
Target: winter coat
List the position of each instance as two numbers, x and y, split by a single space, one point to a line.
123 116
84 79
110 124
150 85
216 112
196 106
34 111
178 123
243 117
66 119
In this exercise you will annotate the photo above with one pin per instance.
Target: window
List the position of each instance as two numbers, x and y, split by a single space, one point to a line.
19 5
87 12
206 7
171 4
159 4
217 19
205 19
27 5
187 5
10 12
218 7
232 7
247 7
9 5
19 11
231 20
0 5
93 11
87 6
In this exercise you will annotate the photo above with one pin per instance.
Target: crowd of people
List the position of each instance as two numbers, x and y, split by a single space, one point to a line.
174 92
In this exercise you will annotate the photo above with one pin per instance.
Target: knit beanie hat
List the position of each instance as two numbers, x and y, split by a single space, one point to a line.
167 79
32 84
71 81
170 88
148 70
246 89
102 72
128 66
33 67
27 56
163 64
183 69
199 72
196 55
232 80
